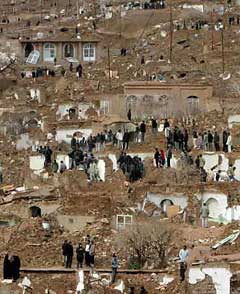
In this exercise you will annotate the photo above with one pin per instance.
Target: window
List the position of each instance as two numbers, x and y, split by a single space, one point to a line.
122 221
49 52
68 50
193 104
89 52
104 106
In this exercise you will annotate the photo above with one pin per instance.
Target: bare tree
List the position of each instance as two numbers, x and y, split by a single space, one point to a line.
147 242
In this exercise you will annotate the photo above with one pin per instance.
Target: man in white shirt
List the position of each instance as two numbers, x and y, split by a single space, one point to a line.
183 256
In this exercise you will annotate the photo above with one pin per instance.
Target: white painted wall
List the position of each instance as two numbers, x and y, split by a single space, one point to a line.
233 119
177 199
63 157
37 162
212 160
65 135
219 208
220 277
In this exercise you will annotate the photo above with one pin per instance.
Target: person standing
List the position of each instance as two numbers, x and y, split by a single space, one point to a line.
64 252
154 126
216 140
229 143
87 256
210 141
183 256
91 253
224 139
204 212
169 156
79 255
157 157
126 138
166 124
119 137
114 267
163 159
69 254
143 131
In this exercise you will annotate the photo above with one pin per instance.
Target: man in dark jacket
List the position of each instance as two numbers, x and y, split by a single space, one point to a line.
225 137
216 140
157 157
126 138
154 126
69 254
80 255
143 131
210 141
64 252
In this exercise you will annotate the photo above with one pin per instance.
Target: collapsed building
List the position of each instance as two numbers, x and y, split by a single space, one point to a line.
159 60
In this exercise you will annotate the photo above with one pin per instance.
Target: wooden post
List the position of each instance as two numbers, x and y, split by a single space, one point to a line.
212 28
171 31
223 54
77 9
109 70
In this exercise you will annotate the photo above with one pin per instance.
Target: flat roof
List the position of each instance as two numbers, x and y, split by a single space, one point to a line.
45 40
157 84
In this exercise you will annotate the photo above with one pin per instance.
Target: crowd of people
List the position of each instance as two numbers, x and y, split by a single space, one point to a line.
83 253
178 138
132 167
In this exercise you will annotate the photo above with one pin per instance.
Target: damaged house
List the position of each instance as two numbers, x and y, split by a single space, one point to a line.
60 49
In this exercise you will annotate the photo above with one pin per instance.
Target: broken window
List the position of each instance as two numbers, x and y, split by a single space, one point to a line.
49 52
33 57
89 52
28 49
122 221
68 50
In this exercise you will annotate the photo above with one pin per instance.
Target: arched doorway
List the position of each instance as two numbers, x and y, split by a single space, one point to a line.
68 50
28 49
35 211
165 203
213 207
